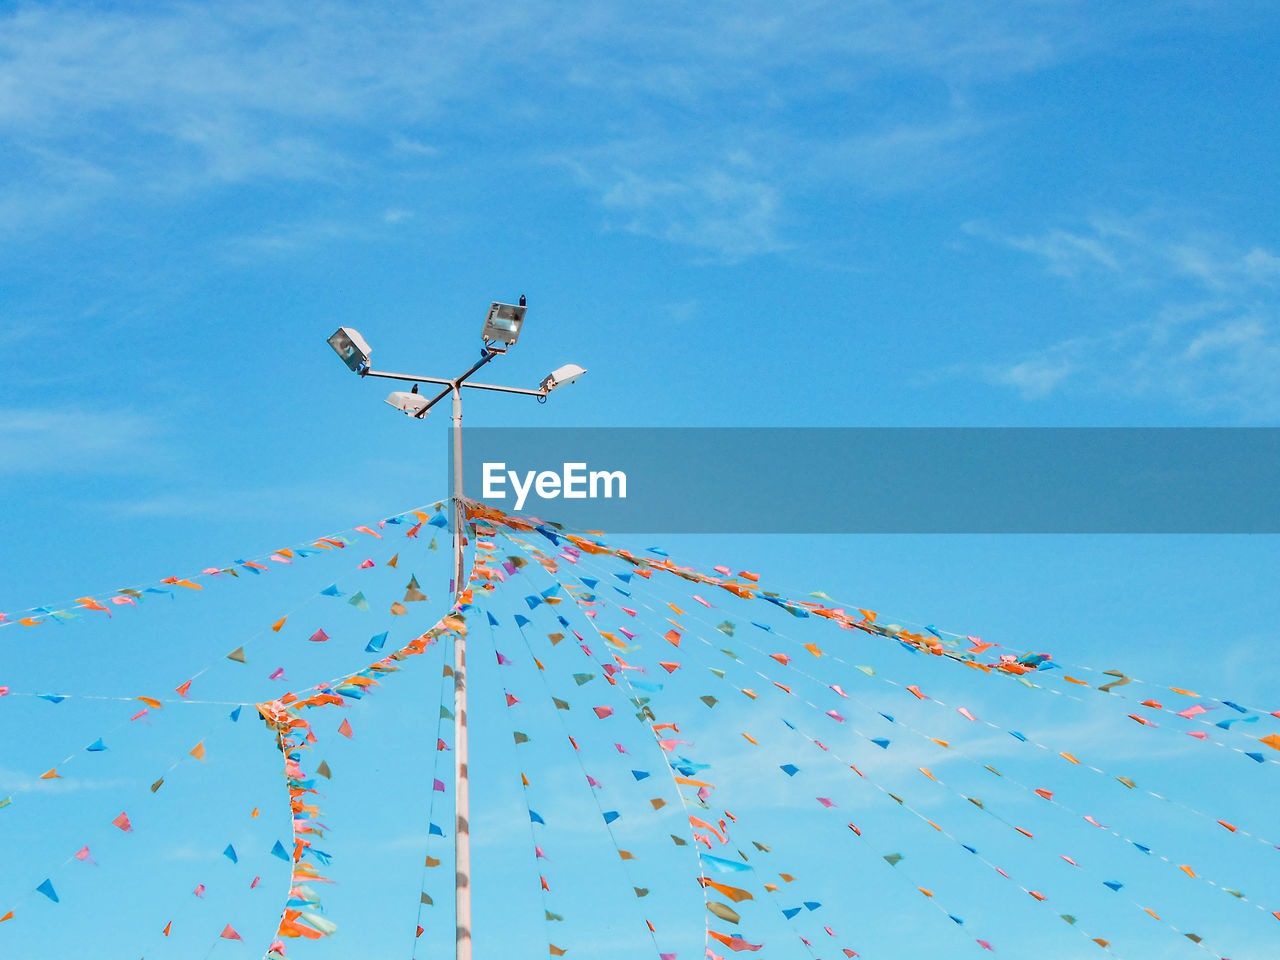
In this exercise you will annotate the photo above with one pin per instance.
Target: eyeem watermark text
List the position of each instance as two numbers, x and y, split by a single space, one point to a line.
573 482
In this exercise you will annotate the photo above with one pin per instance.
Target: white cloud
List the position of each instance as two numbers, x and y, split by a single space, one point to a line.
69 437
1145 250
1037 376
1064 252
12 781
156 102
1211 341
127 103
720 209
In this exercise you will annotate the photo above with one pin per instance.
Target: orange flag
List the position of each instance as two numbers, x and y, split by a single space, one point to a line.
736 894
123 823
345 729
229 933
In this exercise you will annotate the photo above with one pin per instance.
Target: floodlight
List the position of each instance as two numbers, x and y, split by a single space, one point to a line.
413 403
561 376
350 346
502 323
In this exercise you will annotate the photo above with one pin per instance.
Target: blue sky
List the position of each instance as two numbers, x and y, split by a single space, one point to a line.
867 213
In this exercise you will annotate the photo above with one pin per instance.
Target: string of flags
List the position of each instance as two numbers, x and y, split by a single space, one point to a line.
133 597
614 647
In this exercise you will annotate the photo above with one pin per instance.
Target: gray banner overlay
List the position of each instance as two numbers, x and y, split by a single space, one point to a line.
882 480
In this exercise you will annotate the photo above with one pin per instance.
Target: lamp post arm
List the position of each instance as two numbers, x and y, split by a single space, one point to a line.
433 401
407 377
504 389
461 381
485 357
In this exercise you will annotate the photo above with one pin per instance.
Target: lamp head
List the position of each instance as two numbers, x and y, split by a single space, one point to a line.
561 376
503 322
408 402
350 346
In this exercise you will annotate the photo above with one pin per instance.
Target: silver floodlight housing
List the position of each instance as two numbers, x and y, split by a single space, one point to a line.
351 347
502 323
562 376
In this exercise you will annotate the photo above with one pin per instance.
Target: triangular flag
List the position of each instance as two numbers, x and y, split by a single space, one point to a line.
198 750
228 933
47 889
123 823
345 729
237 655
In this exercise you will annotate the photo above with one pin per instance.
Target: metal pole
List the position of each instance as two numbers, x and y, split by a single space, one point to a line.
459 512
461 794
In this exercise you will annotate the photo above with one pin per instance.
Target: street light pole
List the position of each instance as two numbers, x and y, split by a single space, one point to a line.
500 332
461 786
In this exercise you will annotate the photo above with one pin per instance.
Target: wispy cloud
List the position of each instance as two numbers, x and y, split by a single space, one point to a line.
156 101
37 440
723 210
1145 250
12 781
1211 338
685 125
282 239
